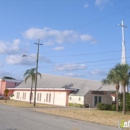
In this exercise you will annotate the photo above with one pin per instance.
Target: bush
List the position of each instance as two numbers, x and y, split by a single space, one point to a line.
11 95
102 106
127 101
113 107
75 105
70 104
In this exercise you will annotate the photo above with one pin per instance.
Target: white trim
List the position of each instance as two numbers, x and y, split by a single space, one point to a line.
73 89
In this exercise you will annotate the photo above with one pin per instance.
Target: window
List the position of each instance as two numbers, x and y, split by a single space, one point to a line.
32 97
24 96
18 95
97 99
70 98
49 97
79 98
38 97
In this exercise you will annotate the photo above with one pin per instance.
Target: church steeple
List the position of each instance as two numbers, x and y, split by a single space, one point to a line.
123 56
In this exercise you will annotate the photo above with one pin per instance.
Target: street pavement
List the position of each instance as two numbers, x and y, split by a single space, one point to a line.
12 118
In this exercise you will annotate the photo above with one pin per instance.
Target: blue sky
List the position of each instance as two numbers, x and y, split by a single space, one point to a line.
81 38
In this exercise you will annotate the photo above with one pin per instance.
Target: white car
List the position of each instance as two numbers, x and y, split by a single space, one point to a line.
1 97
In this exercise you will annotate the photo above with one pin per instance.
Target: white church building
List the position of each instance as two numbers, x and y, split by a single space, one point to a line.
61 90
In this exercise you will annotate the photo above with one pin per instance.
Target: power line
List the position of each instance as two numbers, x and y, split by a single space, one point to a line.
104 60
113 51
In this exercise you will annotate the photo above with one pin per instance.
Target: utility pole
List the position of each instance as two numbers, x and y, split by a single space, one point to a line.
123 57
36 70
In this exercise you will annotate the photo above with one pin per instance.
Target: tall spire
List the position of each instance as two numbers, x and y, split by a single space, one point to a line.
123 57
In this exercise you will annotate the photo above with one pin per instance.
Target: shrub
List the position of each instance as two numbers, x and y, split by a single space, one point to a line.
113 107
127 101
11 95
102 106
70 104
75 105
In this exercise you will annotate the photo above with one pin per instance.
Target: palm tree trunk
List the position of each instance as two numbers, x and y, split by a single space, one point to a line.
31 92
117 102
124 100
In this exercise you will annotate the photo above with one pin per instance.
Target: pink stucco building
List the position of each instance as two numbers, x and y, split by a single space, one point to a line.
8 83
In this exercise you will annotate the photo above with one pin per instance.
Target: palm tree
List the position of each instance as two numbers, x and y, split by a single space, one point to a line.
113 78
119 74
123 73
30 73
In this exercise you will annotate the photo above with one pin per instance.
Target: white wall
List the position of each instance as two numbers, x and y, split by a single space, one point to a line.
76 99
60 98
54 97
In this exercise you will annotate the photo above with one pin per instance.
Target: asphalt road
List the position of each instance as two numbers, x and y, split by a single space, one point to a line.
12 118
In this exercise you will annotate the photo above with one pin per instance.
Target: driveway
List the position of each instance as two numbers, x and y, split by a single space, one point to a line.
12 118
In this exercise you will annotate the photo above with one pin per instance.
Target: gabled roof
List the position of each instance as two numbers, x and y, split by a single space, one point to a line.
11 80
82 85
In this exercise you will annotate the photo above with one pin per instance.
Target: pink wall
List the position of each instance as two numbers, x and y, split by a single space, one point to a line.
3 87
67 95
7 84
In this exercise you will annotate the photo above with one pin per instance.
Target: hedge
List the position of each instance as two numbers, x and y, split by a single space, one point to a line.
102 106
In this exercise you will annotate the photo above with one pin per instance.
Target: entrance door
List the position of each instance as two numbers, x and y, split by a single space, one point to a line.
97 99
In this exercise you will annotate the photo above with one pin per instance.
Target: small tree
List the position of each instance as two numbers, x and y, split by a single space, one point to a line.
8 77
31 74
6 94
119 75
113 78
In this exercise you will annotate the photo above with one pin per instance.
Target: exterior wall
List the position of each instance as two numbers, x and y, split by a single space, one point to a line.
88 99
60 98
3 87
106 98
76 99
7 84
0 85
11 84
47 97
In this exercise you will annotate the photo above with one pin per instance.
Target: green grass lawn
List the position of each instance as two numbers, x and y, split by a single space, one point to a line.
23 104
92 115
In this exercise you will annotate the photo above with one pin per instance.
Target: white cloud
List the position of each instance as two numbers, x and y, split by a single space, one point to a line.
97 72
58 48
1 65
86 6
28 60
68 67
10 48
74 75
18 59
101 3
88 38
51 36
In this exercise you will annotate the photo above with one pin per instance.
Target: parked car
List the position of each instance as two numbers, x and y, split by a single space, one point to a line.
1 97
